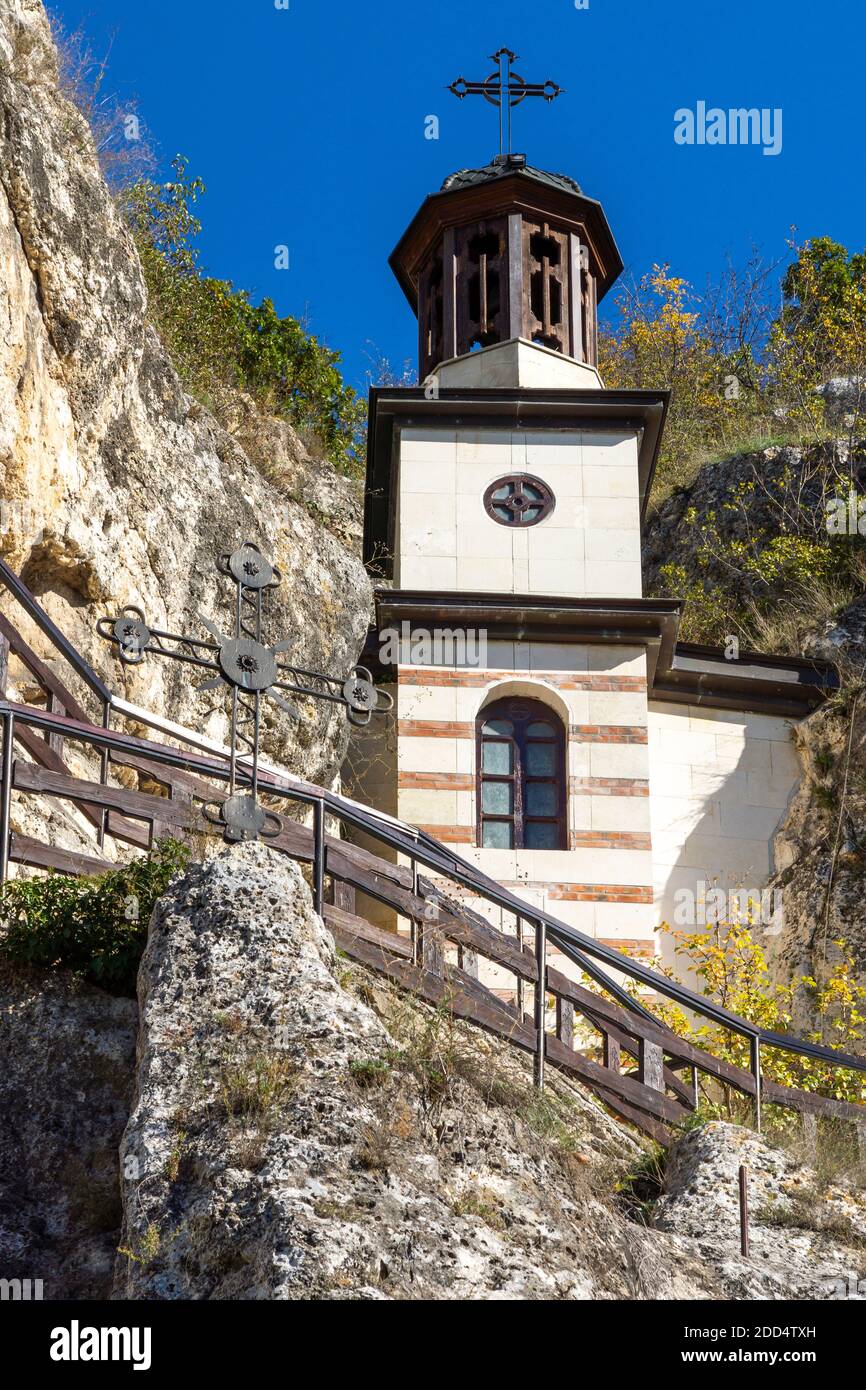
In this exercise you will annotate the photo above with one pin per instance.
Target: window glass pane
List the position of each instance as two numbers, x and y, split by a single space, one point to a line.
541 835
501 493
540 799
496 798
529 514
503 513
541 759
496 758
541 730
498 726
496 834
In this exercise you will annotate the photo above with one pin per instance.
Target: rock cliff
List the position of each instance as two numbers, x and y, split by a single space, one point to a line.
116 487
299 1131
749 537
820 850
68 1063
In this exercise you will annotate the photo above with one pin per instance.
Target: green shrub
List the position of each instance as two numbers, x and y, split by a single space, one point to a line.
370 1072
94 927
743 359
218 339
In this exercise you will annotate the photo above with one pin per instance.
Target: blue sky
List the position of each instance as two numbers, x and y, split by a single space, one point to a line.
307 125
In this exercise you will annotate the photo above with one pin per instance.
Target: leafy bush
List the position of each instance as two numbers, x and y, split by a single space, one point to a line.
731 968
663 341
763 566
219 340
821 330
94 927
742 370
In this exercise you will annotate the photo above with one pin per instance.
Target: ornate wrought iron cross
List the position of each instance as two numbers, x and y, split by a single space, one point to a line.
250 670
505 89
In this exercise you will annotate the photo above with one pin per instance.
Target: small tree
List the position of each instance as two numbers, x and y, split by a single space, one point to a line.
221 341
731 968
821 329
701 350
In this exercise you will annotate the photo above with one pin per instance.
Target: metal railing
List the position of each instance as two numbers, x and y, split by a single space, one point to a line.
418 848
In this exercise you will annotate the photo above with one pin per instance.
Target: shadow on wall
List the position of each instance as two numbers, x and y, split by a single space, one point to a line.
721 782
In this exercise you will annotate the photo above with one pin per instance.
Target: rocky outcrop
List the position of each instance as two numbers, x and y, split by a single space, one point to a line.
68 1061
749 541
287 1145
297 1129
276 449
843 398
807 1235
721 535
116 487
820 850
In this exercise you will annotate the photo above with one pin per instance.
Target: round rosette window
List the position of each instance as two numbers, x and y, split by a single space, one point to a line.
519 500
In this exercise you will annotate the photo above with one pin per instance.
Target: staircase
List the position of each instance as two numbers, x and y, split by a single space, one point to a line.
645 1074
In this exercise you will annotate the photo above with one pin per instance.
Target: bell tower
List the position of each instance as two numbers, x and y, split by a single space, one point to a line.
507 253
502 527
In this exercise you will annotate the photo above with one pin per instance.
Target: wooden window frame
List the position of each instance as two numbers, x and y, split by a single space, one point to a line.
521 711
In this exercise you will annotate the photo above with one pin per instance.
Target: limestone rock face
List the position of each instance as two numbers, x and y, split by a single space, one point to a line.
807 1236
116 487
749 498
843 397
282 1152
299 1130
820 849
68 1061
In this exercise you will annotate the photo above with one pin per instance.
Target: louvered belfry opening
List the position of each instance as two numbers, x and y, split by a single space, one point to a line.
506 277
481 257
506 252
545 254
431 315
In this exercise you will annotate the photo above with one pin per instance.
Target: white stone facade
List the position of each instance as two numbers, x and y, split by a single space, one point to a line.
588 548
720 781
661 796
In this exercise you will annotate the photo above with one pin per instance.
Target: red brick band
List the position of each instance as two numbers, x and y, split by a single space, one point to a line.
609 786
435 728
438 781
610 839
574 680
608 733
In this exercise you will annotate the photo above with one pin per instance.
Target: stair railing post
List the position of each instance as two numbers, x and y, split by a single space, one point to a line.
744 1211
518 927
103 777
540 1001
413 921
6 794
318 855
756 1072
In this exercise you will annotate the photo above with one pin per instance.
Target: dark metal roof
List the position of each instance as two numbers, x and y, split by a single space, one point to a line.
509 164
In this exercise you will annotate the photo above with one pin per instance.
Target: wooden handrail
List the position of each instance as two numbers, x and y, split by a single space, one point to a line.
56 637
655 1048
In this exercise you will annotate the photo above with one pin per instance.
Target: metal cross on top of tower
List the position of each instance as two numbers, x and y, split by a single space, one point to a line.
505 88
249 669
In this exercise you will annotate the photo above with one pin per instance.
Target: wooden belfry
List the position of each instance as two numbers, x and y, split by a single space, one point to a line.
507 251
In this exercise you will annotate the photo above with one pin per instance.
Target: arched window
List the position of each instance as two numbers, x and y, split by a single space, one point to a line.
521 776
